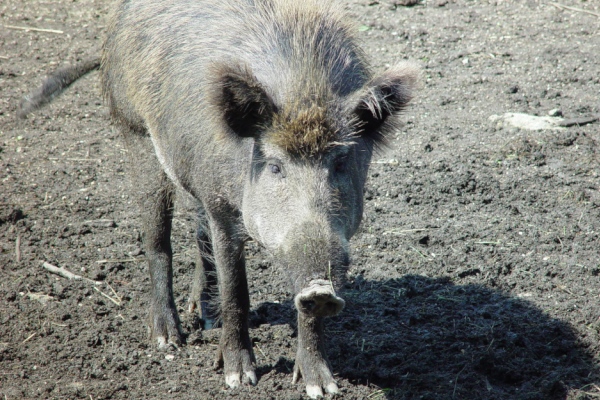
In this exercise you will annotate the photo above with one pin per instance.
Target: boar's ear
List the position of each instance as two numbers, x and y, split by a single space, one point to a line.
382 100
247 108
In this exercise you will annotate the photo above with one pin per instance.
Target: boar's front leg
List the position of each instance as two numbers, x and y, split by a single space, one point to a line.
311 362
235 349
155 194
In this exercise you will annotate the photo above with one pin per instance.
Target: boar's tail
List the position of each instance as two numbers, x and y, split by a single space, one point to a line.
54 85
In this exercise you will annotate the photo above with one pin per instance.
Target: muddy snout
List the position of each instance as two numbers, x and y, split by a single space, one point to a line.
319 299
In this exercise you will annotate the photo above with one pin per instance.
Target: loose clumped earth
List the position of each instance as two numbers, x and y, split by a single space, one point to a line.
476 274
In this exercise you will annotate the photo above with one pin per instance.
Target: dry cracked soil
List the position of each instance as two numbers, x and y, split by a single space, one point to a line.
475 275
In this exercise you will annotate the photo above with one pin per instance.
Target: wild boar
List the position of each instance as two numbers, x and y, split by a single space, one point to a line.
267 113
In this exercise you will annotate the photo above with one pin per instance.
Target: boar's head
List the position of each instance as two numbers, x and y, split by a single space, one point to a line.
303 197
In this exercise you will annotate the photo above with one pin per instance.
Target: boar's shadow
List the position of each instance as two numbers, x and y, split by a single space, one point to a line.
426 338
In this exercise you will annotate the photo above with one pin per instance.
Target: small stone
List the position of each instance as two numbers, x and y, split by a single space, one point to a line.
555 112
169 357
406 3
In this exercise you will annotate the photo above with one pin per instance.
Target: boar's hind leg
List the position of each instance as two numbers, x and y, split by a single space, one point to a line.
235 349
156 194
204 286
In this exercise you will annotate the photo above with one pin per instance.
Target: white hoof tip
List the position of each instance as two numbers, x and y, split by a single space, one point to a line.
332 388
162 342
250 378
233 380
314 391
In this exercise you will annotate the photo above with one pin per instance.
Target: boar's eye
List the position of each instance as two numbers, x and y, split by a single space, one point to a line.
274 168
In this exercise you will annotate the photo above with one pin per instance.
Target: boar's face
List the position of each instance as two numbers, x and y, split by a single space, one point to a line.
303 198
304 211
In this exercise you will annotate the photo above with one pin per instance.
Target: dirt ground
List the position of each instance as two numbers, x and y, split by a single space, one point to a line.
475 275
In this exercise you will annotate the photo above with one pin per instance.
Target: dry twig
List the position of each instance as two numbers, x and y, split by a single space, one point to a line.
18 249
28 28
29 337
262 352
98 160
67 274
386 162
115 293
41 297
561 6
403 231
456 381
118 260
117 302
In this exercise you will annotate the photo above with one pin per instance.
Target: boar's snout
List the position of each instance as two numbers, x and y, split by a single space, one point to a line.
319 299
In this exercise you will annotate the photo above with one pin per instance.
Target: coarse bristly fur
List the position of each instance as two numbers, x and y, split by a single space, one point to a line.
320 66
318 63
307 134
266 113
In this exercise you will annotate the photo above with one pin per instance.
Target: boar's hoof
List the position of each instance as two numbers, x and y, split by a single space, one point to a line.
319 299
315 391
233 379
316 374
165 330
172 339
163 343
238 366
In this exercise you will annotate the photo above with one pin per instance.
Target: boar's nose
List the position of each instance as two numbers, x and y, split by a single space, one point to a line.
319 299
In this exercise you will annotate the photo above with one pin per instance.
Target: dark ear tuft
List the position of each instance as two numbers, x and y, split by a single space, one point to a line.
383 98
247 108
